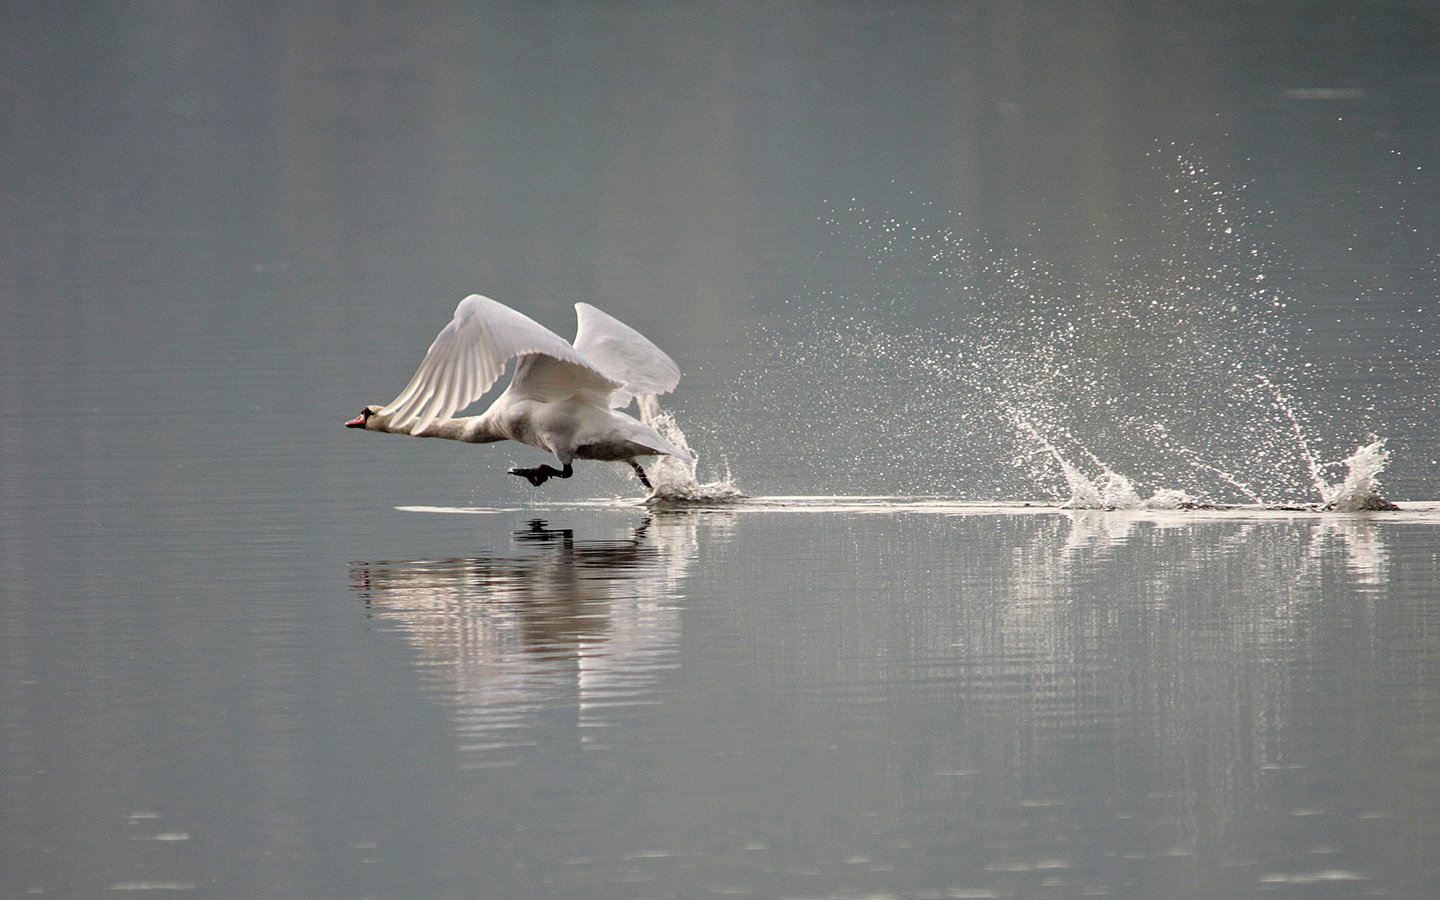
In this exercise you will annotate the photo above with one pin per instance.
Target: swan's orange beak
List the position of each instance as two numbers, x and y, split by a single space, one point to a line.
357 422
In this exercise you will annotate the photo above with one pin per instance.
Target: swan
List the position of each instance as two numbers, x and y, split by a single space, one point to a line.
564 398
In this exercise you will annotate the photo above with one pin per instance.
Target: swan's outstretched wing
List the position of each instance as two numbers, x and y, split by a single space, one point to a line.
469 355
624 355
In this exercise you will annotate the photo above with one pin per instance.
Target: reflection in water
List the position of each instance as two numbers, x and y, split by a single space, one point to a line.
1205 656
1357 537
943 702
1091 700
558 622
1363 546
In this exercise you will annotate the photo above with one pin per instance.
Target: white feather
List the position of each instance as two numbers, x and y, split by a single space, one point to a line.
561 399
469 355
624 355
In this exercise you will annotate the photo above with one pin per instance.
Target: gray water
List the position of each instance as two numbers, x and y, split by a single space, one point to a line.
245 652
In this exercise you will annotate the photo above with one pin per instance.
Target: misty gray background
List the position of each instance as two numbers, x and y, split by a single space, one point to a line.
225 219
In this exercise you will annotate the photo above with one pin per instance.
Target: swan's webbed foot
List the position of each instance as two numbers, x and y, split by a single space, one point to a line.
538 475
640 474
534 476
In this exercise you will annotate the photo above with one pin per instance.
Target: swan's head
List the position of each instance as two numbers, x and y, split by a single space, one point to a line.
363 420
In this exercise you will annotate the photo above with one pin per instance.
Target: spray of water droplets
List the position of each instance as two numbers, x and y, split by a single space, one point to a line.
1169 379
674 480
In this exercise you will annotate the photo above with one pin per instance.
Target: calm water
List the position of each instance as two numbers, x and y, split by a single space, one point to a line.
580 702
245 652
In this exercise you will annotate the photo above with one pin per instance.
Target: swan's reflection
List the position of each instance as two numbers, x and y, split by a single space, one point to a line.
558 623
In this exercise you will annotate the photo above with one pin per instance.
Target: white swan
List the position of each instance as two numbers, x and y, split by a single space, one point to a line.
562 399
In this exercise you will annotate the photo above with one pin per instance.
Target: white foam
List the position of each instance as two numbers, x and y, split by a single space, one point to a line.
1425 512
1360 489
674 480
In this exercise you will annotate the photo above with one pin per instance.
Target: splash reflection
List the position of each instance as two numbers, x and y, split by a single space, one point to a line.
1363 546
1357 540
560 623
1138 696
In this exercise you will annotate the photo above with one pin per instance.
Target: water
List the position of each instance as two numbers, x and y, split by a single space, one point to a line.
937 278
604 700
897 723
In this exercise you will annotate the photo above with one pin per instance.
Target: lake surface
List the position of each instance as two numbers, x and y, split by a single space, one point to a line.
789 698
915 261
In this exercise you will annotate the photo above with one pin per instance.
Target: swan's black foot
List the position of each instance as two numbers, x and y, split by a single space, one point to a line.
534 476
542 473
640 474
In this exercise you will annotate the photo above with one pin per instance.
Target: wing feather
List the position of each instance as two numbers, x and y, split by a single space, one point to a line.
469 355
623 354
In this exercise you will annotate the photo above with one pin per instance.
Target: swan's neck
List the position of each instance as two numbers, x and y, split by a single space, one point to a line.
471 429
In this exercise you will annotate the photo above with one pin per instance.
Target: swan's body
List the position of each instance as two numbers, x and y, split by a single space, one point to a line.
564 398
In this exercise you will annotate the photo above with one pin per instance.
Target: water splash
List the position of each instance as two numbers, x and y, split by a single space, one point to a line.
674 480
1287 408
1360 489
1108 489
1191 457
1177 365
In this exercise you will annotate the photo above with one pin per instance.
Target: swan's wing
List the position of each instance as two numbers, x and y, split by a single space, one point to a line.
624 355
539 376
469 355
